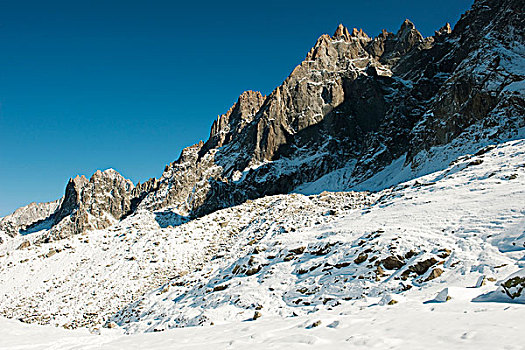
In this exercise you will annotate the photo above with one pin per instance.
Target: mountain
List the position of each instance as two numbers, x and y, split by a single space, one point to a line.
353 108
385 173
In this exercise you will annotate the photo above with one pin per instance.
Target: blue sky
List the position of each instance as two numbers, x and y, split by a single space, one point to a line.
87 85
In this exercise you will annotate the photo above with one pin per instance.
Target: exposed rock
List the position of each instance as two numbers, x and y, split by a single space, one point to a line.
220 287
392 263
315 324
434 274
445 253
445 30
361 258
24 245
514 286
92 204
51 253
27 216
297 251
422 266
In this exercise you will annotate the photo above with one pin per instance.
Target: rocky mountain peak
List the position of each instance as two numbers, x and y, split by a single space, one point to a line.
392 47
110 172
341 32
406 26
250 96
90 204
72 197
359 33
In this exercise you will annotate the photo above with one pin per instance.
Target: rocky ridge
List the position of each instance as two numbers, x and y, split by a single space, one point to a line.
352 108
26 216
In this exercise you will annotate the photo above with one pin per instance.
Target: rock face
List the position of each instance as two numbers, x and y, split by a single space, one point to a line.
355 103
87 204
92 204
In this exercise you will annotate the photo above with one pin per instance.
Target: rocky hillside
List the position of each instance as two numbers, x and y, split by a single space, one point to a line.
459 228
356 106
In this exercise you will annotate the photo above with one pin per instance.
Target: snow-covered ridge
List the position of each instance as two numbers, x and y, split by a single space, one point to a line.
25 216
446 229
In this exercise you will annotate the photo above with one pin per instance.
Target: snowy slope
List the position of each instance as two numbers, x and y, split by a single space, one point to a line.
283 256
81 280
457 324
448 229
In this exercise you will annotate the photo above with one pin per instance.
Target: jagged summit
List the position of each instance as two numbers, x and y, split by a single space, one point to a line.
354 106
235 119
342 32
407 25
446 29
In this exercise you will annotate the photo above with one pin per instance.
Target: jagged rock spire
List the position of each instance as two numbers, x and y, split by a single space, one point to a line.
341 31
234 120
446 29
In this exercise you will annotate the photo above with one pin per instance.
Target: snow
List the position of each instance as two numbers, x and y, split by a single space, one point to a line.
510 290
456 324
296 260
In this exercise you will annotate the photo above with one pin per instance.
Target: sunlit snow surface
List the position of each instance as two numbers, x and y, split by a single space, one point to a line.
457 324
295 259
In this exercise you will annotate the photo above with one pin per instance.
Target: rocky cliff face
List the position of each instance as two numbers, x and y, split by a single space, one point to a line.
92 204
355 103
87 204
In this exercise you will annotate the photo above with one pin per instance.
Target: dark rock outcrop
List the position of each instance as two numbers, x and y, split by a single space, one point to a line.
94 204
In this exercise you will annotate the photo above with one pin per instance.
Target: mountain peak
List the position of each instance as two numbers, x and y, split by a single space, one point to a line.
341 31
407 24
408 31
446 29
107 173
250 95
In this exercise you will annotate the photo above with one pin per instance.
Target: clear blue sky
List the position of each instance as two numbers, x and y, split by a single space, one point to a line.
87 85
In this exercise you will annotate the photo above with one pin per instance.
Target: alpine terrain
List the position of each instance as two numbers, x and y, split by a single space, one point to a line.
376 198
